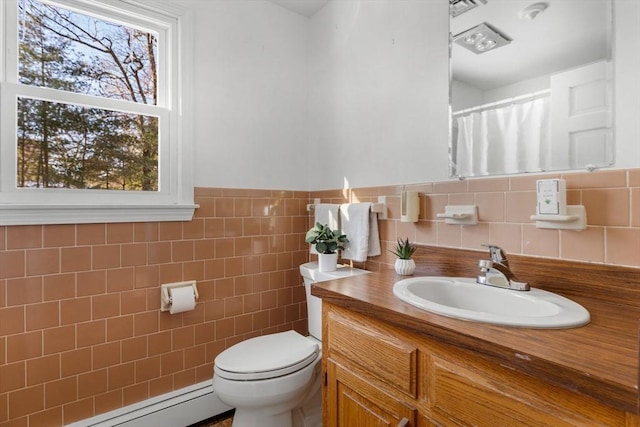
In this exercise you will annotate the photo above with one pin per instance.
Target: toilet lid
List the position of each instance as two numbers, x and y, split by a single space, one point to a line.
267 356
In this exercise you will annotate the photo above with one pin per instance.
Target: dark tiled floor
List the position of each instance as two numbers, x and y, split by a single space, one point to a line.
222 420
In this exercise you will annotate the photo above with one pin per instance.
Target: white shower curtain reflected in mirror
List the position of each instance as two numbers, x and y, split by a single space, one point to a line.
504 140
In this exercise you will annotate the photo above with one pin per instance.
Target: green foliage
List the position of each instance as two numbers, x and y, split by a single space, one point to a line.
403 249
327 241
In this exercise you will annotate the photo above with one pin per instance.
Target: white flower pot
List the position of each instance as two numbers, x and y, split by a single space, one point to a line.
405 267
327 262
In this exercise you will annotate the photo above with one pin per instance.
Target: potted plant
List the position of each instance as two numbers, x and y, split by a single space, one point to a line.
404 265
327 242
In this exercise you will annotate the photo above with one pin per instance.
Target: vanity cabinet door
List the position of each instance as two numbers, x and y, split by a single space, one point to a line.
354 402
469 391
375 350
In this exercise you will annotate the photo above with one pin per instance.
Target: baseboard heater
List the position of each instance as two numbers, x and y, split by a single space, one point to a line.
182 407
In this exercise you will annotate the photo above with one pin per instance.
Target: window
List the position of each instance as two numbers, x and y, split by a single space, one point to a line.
94 112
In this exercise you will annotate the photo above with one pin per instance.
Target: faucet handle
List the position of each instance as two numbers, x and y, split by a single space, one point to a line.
497 254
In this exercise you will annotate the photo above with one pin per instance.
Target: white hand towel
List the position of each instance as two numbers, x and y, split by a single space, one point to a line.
325 214
374 236
361 227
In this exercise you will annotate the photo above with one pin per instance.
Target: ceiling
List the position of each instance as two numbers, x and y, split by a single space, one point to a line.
303 7
567 34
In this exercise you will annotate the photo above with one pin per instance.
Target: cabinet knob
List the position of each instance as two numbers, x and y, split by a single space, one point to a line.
403 422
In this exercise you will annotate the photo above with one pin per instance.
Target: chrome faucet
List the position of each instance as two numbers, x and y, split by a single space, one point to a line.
496 272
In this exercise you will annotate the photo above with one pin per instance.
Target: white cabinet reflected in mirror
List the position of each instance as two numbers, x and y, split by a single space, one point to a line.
531 86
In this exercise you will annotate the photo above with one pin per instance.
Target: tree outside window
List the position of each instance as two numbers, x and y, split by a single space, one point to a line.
74 146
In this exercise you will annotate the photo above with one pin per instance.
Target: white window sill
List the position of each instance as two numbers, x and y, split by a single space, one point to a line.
82 214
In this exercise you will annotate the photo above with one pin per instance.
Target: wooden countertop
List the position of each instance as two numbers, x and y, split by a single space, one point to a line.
598 360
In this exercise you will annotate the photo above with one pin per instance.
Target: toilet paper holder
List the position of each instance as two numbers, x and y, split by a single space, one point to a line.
165 292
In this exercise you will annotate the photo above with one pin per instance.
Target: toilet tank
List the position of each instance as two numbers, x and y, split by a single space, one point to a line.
311 275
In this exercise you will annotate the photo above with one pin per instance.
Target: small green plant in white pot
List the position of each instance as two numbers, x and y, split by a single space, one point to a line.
327 242
404 250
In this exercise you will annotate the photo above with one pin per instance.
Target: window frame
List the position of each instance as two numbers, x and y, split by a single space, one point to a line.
174 199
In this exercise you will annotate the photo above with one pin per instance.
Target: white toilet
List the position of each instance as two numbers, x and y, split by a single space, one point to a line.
275 380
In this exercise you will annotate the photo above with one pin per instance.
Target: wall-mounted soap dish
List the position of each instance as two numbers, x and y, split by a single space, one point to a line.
575 219
460 214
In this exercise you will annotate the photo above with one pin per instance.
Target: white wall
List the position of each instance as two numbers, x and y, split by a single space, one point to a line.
250 94
378 101
465 96
357 95
521 88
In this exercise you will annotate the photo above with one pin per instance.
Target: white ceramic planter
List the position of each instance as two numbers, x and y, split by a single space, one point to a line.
327 262
405 267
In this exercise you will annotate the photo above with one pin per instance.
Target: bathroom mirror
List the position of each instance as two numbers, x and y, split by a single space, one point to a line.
531 86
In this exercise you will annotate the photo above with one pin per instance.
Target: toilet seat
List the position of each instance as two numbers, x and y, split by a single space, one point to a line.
267 356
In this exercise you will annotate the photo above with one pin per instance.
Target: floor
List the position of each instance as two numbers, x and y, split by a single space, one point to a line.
222 420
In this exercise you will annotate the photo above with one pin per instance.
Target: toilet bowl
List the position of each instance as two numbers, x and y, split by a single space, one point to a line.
266 377
275 380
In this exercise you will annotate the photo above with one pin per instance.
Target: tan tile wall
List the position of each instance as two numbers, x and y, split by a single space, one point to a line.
505 205
80 328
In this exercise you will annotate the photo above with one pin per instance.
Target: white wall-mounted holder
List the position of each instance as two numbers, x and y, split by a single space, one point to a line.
312 206
165 292
409 206
381 207
460 214
575 219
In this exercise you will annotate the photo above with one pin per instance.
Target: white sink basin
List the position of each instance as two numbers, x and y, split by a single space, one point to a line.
463 298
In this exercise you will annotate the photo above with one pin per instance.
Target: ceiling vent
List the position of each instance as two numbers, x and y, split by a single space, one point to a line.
481 38
458 7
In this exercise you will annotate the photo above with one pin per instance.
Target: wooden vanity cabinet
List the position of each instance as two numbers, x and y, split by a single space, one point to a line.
371 375
381 375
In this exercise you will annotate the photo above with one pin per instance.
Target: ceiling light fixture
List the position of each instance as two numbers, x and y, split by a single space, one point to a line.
481 38
531 12
458 7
